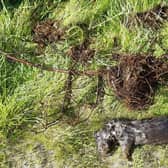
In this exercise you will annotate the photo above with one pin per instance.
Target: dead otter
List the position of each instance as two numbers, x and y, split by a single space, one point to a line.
129 133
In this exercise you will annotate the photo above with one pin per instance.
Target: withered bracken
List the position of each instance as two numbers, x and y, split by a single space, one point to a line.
153 18
46 32
81 53
136 78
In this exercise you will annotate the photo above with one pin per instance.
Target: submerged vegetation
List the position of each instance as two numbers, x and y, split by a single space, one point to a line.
48 119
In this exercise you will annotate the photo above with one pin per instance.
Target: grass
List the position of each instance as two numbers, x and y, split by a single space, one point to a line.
30 98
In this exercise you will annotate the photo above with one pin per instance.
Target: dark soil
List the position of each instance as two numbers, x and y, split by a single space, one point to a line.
81 53
47 32
136 78
153 18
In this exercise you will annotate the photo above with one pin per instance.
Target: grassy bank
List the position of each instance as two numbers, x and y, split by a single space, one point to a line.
31 100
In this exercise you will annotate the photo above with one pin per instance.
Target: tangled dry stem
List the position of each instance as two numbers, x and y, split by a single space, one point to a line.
47 32
153 18
81 53
136 77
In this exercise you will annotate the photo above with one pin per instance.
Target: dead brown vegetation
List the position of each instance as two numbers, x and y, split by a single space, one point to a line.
81 53
46 32
100 90
68 93
153 18
136 77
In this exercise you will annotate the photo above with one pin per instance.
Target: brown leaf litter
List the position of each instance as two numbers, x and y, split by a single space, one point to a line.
153 18
48 31
81 53
136 78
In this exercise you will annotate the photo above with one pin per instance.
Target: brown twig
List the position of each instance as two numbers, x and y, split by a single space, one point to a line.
51 69
100 90
68 92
